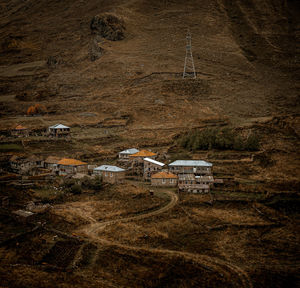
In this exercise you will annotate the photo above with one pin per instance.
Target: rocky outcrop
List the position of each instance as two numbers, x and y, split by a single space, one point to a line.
108 26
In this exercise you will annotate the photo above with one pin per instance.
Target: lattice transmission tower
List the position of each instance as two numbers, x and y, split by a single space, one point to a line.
189 67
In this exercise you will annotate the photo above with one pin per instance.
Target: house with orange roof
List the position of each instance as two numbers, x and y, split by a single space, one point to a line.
20 131
67 166
164 179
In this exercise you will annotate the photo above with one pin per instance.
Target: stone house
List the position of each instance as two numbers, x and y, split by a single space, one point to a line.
137 161
164 179
51 163
124 155
151 166
189 183
25 165
59 130
71 166
110 174
20 131
196 167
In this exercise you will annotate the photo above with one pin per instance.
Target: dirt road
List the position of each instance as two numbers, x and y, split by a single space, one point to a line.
211 263
93 229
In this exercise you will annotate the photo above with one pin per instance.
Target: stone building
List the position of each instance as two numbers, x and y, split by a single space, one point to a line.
164 179
110 174
196 167
71 166
151 167
189 183
24 165
51 163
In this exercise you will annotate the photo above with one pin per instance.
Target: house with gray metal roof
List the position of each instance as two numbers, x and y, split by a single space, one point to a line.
124 155
59 130
110 174
197 167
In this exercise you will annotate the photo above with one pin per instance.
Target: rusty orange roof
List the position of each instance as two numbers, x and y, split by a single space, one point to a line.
20 127
143 153
164 175
72 162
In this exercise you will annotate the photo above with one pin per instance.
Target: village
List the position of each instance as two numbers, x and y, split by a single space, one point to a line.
195 176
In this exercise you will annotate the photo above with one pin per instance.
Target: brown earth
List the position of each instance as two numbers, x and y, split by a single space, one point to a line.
118 94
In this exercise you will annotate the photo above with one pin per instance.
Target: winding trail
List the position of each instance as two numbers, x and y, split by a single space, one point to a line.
207 262
93 229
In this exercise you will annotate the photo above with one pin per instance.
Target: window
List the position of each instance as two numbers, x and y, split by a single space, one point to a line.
106 174
111 174
163 181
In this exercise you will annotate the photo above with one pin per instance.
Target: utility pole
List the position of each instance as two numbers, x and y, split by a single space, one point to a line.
189 67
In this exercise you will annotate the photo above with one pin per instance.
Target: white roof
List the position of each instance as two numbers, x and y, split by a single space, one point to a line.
154 161
109 168
59 126
130 151
189 163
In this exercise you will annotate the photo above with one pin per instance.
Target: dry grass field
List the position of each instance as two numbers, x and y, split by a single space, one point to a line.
130 93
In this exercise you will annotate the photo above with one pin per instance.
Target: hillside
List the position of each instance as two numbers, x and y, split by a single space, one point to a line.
112 70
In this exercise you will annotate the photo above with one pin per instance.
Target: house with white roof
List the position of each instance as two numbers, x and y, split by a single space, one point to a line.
59 130
124 155
196 167
151 167
110 174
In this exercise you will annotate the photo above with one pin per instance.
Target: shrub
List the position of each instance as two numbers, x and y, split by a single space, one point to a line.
76 189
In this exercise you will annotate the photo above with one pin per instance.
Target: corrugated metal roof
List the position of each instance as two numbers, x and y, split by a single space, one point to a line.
130 151
164 175
109 168
72 162
143 153
154 162
191 163
59 126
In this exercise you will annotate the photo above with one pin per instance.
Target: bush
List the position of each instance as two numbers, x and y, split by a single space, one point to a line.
223 139
94 184
76 189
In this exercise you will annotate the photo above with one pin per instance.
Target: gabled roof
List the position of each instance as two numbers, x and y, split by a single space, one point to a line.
154 162
71 162
109 168
143 153
52 160
164 175
20 127
59 126
129 151
189 163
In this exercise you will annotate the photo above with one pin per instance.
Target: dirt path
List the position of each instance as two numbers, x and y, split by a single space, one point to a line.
210 263
93 229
